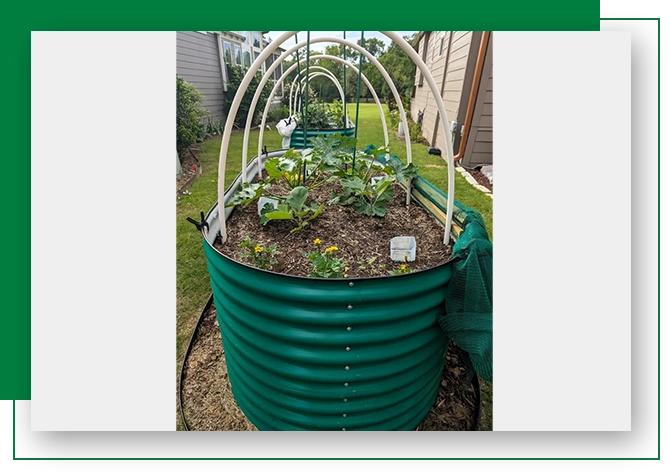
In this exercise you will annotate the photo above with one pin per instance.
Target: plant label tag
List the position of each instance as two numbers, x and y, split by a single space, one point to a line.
403 242
264 200
401 256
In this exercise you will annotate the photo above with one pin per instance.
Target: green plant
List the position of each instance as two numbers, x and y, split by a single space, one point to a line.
336 111
394 116
323 263
415 132
318 117
369 265
307 169
293 208
235 76
278 114
189 113
295 169
261 256
368 186
402 269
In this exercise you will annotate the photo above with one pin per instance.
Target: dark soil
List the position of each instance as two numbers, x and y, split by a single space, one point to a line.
480 178
358 237
210 406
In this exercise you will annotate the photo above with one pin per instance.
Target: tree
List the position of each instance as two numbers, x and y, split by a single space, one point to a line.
374 46
402 71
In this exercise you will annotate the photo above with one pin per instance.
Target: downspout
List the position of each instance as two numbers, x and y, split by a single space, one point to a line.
478 72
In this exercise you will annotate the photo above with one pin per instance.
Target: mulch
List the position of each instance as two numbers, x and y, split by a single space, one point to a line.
358 237
210 406
189 167
480 178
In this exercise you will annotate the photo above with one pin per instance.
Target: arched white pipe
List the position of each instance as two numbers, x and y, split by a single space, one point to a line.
276 63
319 68
289 70
401 42
264 54
330 76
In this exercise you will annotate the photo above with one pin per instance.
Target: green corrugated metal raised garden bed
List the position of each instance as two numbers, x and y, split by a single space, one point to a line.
341 353
297 138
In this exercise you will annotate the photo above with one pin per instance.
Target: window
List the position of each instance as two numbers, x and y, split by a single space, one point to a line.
238 55
246 56
228 53
441 46
256 40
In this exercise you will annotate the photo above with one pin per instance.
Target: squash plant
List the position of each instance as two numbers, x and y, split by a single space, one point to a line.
367 181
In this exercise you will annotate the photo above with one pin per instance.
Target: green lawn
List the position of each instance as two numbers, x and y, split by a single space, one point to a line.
193 287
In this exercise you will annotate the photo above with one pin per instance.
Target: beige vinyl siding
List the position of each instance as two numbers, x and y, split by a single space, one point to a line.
453 88
479 145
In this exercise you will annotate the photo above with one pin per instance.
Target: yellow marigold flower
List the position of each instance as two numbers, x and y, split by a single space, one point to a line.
286 175
259 248
332 248
403 267
317 241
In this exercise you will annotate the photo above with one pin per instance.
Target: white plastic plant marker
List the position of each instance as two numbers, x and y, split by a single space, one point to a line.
264 200
403 249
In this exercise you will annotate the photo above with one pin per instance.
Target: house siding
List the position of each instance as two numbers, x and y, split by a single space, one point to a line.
454 80
456 50
198 62
479 146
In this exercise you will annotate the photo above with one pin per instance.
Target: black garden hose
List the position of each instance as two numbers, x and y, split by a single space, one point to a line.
193 336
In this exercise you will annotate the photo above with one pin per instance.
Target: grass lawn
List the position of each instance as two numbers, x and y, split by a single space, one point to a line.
193 287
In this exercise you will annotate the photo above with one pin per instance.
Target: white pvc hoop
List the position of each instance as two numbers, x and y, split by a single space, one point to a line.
275 64
262 57
319 68
330 76
289 70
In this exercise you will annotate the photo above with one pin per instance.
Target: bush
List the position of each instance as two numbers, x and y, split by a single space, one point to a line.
236 75
318 117
189 112
278 114
415 131
337 113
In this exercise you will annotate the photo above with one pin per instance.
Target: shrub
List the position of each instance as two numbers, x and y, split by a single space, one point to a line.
415 131
278 114
236 75
189 113
337 113
318 117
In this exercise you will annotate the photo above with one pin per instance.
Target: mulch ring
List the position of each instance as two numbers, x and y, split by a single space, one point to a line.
480 178
189 167
210 406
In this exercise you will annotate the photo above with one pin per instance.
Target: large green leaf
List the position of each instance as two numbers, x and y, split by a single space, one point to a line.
272 168
354 183
297 198
279 215
317 212
246 194
401 171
